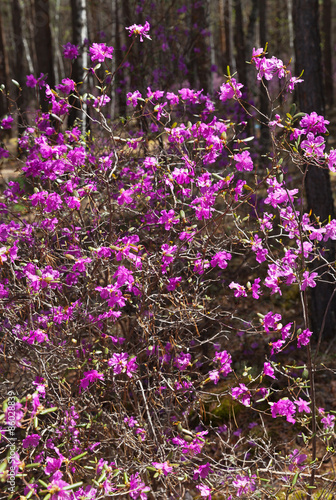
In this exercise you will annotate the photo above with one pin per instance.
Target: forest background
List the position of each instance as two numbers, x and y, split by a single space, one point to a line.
199 45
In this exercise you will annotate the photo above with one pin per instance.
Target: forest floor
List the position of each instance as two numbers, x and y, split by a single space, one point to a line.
280 432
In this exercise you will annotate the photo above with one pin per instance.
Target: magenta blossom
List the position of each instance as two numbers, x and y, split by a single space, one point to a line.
89 378
244 485
122 363
163 468
269 370
244 161
138 29
204 490
285 408
242 394
99 52
303 338
230 90
70 51
57 490
6 123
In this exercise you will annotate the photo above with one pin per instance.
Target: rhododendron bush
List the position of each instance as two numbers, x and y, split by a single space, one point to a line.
138 260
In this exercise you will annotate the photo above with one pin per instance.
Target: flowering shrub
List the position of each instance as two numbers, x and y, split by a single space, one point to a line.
127 269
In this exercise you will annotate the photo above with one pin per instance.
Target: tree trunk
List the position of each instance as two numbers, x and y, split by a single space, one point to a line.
327 53
228 35
317 180
79 35
43 46
239 40
264 103
4 71
18 68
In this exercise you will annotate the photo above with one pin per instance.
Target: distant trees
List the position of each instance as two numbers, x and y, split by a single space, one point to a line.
317 180
43 45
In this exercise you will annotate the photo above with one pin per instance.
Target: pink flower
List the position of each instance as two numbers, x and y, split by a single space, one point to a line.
89 378
303 338
6 123
205 491
239 290
242 394
302 406
66 86
132 98
308 280
284 407
57 490
168 219
269 370
163 468
202 471
99 51
220 259
173 283
244 485
230 89
138 29
328 421
244 161
70 51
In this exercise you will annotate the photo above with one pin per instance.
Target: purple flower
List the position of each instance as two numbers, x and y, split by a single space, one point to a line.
132 98
204 490
168 219
296 460
285 408
303 338
230 89
31 81
89 378
242 394
99 51
57 490
137 488
163 468
308 280
269 370
302 406
202 471
53 464
313 146
183 361
220 259
244 161
167 256
121 363
6 123
173 283
66 86
70 51
138 29
244 485
314 123
328 422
